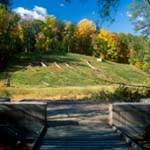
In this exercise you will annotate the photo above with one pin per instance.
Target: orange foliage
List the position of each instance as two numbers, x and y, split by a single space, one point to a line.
2 84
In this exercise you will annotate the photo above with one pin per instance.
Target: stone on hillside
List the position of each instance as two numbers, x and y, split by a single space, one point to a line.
99 60
43 64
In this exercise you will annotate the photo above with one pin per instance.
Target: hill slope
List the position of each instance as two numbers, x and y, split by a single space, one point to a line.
71 70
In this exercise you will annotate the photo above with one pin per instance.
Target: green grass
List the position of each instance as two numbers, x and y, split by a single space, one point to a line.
27 73
60 93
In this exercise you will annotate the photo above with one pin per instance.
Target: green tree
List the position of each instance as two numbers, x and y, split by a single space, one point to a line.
51 37
140 16
68 39
31 28
10 40
4 3
29 36
44 39
139 12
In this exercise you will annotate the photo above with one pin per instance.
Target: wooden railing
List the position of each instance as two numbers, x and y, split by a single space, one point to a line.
133 119
22 120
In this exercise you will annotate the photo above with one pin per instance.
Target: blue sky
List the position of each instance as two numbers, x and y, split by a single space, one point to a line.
74 11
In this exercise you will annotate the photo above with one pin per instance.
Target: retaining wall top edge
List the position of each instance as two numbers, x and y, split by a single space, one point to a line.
22 103
131 104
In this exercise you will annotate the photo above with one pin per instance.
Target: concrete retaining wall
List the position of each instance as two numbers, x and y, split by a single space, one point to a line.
25 119
131 118
145 100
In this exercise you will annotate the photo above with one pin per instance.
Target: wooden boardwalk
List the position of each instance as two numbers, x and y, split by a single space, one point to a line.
79 125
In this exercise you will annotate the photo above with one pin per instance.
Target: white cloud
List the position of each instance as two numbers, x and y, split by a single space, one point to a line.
36 13
40 10
129 14
140 18
61 5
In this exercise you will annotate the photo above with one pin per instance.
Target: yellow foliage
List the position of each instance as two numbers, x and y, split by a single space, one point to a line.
139 64
132 52
21 32
85 27
41 42
50 21
103 34
107 36
41 36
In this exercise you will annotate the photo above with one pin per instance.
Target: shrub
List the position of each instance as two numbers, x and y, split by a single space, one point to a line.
4 93
122 94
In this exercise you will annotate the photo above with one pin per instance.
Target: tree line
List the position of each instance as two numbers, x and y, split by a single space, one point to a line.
51 35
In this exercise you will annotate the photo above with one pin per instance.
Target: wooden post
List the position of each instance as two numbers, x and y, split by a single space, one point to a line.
110 119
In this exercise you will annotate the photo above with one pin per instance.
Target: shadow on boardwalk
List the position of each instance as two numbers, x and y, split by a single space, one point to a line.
79 125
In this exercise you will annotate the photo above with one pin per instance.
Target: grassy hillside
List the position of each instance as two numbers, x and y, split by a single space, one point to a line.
64 73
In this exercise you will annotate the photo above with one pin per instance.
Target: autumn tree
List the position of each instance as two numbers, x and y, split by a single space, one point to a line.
51 31
111 47
83 33
105 41
100 44
10 40
139 12
50 39
31 28
45 40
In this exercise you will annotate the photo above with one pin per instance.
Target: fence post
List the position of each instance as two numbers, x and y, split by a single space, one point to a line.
110 119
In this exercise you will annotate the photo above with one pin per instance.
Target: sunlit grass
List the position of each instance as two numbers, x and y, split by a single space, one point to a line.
72 79
20 93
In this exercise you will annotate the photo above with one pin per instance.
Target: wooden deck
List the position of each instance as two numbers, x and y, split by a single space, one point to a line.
79 125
